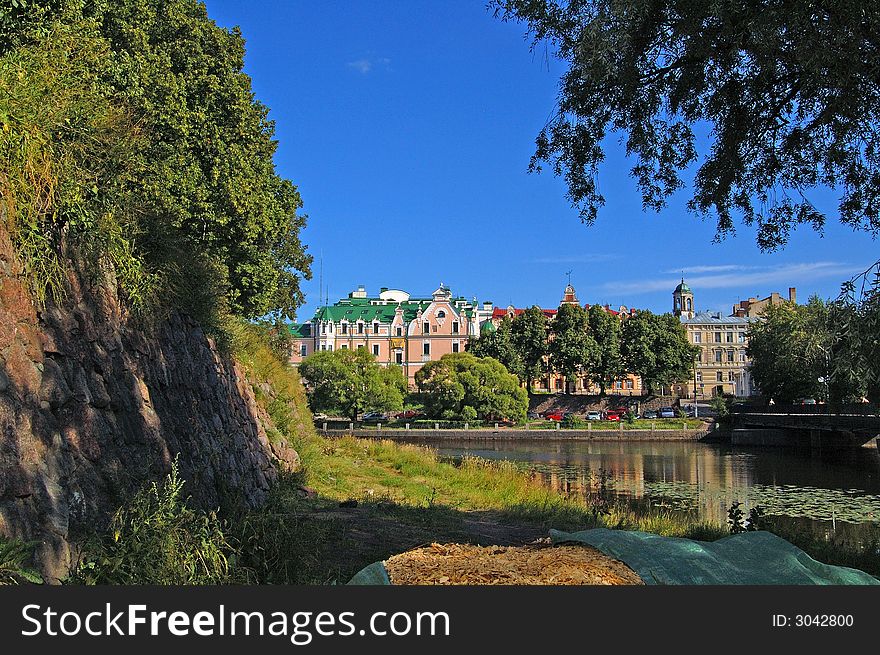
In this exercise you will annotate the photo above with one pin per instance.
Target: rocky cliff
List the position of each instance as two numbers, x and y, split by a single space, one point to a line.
91 407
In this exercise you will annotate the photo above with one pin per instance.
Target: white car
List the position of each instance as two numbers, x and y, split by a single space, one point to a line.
594 416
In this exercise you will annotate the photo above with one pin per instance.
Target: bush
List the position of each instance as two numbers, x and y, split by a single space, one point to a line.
158 539
574 422
13 557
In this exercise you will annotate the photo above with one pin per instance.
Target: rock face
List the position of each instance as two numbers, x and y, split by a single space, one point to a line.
92 407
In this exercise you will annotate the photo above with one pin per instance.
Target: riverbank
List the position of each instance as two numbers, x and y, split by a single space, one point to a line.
482 434
368 499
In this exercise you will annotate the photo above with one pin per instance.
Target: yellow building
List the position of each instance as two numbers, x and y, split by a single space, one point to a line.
723 364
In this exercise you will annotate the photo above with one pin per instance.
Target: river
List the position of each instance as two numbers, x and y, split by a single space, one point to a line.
832 492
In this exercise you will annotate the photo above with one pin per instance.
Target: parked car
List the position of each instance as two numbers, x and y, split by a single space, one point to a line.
613 415
594 416
553 416
667 412
408 413
805 401
373 416
532 415
649 414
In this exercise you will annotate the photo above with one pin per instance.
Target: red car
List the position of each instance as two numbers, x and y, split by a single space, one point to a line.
553 416
409 413
613 415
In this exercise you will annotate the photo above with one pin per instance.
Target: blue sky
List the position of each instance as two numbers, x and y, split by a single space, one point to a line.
408 126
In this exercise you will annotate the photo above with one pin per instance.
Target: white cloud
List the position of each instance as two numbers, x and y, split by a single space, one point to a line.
749 281
367 64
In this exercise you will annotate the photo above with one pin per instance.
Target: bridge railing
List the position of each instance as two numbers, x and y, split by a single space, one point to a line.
862 409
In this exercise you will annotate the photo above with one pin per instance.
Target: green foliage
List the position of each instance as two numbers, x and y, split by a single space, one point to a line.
276 384
735 522
606 329
855 319
790 93
791 348
529 332
158 539
572 349
656 348
140 129
459 381
720 406
500 345
14 556
574 422
351 381
67 154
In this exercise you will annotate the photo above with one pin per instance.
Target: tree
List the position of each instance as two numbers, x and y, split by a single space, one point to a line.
499 344
656 348
572 350
791 349
203 188
786 95
352 382
529 335
462 386
855 319
605 329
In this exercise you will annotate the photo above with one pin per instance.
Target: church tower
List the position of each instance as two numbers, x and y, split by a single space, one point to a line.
683 301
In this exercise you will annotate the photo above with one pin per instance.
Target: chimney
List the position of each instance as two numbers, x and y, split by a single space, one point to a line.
792 295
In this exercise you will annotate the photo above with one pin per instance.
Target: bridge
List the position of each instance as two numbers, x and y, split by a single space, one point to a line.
805 425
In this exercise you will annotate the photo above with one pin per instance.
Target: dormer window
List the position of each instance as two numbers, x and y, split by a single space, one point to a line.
441 314
426 327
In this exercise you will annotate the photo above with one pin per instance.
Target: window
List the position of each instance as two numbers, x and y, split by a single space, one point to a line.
426 327
629 384
375 350
344 328
698 337
360 328
360 346
730 337
441 314
400 331
455 346
455 327
303 349
558 383
719 377
717 337
717 356
729 355
741 337
344 346
426 348
330 347
375 328
730 377
742 355
618 384
699 376
398 357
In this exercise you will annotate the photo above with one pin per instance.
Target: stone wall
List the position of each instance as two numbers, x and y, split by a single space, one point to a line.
92 407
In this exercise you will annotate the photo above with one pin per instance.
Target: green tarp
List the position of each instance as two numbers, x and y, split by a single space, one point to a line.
752 558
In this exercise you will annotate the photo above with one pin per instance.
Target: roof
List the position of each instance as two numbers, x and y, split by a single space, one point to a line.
487 326
716 318
501 312
371 310
300 329
683 288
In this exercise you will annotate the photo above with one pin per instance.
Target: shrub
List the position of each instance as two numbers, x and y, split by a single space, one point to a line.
13 556
158 539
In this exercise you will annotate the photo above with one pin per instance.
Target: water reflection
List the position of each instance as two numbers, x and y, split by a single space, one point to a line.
823 489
